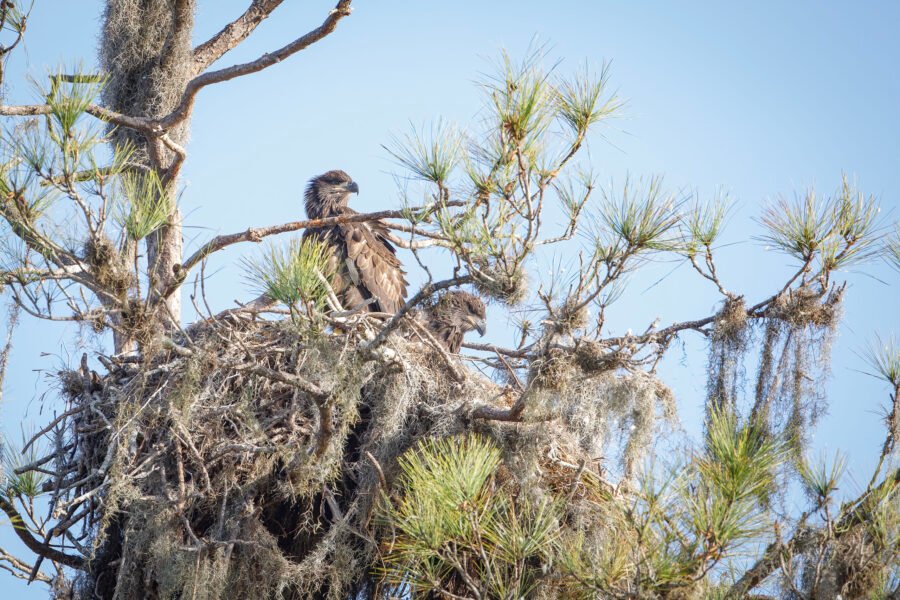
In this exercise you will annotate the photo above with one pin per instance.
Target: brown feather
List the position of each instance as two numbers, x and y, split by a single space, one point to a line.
363 261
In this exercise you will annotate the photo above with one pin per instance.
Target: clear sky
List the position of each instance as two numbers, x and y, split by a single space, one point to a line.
763 98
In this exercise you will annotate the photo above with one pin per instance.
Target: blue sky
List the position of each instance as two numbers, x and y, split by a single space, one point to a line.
763 99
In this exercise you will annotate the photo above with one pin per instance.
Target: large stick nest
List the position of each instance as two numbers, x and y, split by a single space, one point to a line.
247 461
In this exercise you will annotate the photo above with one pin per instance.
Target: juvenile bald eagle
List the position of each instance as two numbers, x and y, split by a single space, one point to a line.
363 261
454 315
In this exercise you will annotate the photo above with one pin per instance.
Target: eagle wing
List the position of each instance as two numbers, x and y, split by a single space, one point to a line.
372 265
364 264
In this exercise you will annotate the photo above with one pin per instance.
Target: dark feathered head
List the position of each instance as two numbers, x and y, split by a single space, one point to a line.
327 192
454 315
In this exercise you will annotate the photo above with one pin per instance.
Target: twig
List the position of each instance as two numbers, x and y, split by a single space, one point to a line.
576 480
47 428
455 372
426 292
377 465
310 388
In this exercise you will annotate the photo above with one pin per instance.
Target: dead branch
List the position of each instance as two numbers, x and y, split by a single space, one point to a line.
56 421
183 110
381 478
19 568
303 385
104 114
180 156
156 127
492 413
232 34
258 233
44 550
423 294
454 370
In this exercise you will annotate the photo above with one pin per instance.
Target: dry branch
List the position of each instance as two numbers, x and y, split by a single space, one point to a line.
183 110
427 291
148 126
19 568
257 234
43 550
492 413
232 34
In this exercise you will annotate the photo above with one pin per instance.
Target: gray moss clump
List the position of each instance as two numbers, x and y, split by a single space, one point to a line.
146 47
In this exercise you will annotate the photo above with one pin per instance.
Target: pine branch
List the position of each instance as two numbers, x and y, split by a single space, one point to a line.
806 539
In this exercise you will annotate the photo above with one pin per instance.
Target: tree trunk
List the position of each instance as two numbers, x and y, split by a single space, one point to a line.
146 51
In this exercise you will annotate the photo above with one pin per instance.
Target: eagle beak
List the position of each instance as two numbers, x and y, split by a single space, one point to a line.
480 325
352 187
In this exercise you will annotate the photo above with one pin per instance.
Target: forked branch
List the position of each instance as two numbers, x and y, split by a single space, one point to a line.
39 548
232 34
183 110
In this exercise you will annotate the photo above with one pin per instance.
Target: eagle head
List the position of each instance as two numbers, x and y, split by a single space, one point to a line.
464 310
327 192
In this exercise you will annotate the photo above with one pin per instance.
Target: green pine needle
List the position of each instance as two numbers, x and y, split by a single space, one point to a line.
839 230
146 207
27 485
703 222
892 248
431 155
70 95
642 218
290 274
883 356
820 480
579 100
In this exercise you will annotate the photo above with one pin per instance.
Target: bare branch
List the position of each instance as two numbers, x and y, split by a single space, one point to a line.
426 292
183 110
180 156
492 413
523 353
257 234
301 384
232 34
76 562
454 370
104 114
19 568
